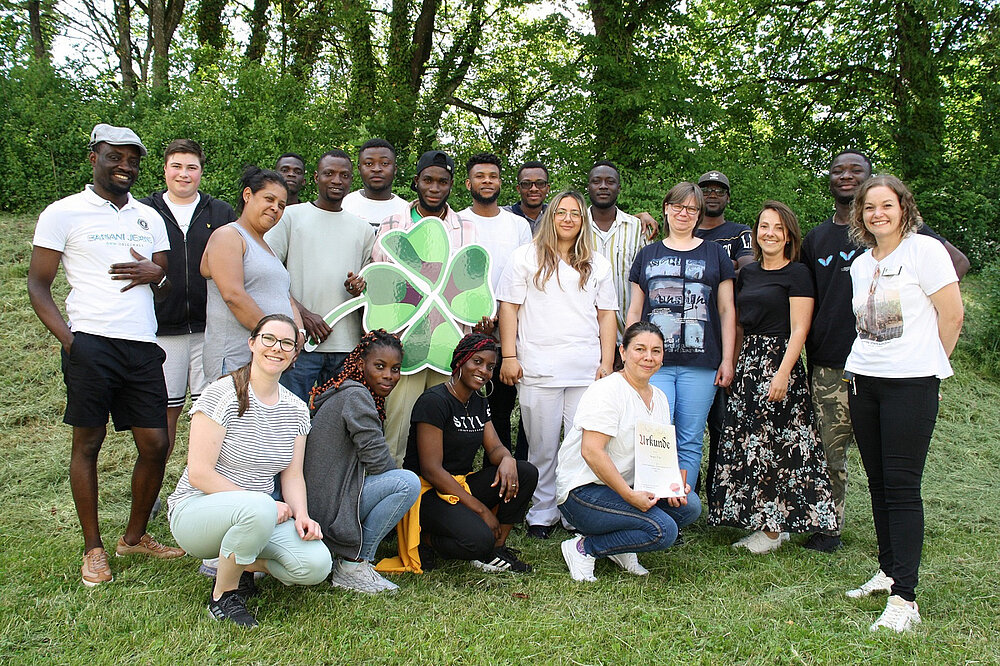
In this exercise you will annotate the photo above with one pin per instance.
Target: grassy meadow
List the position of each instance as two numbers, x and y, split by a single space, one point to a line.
703 604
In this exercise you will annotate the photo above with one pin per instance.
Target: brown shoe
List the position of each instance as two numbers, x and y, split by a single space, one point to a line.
148 546
95 569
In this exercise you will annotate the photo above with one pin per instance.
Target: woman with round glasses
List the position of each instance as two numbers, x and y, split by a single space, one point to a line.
557 331
684 285
245 429
245 279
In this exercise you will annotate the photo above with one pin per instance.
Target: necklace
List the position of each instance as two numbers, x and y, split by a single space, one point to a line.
450 385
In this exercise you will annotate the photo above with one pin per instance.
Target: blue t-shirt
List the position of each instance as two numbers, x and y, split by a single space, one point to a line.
680 289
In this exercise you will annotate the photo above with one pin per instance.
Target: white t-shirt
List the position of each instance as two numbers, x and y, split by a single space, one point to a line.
319 247
612 407
91 233
373 211
896 320
500 235
182 212
558 338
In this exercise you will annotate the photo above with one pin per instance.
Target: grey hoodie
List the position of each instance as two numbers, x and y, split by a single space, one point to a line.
345 444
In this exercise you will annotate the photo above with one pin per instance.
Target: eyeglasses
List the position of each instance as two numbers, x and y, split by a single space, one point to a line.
677 208
717 191
562 213
268 340
528 184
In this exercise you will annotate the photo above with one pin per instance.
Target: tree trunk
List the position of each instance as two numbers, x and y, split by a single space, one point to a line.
614 85
208 23
919 133
123 24
363 88
258 31
40 48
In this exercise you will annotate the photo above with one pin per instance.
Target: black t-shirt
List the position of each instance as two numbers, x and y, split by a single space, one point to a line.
733 237
762 297
828 254
462 428
681 299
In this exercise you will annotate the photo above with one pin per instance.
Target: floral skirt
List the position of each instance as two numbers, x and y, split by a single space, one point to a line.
770 471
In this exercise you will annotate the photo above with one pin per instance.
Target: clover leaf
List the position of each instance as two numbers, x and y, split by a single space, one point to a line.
425 291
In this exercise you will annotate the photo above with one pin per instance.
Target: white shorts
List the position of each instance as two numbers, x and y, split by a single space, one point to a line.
183 368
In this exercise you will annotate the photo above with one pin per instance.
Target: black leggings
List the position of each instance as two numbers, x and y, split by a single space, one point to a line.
456 532
893 422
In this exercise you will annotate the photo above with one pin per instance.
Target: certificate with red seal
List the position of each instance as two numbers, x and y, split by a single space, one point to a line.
656 468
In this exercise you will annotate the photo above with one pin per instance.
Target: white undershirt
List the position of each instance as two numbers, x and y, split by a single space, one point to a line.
182 212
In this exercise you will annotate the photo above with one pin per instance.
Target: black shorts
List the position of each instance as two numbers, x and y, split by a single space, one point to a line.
120 377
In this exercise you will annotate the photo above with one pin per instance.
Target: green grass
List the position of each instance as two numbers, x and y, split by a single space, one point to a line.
703 603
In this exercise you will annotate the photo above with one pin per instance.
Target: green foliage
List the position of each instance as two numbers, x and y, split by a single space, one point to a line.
979 340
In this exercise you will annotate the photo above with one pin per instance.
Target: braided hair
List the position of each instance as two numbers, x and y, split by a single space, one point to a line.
469 345
354 367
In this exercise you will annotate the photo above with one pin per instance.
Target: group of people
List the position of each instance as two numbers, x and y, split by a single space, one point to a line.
601 333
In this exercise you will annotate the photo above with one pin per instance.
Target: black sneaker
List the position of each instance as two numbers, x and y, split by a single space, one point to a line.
539 531
248 586
824 543
230 607
428 558
504 559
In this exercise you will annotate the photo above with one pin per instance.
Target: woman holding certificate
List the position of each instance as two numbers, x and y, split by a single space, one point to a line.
770 475
597 468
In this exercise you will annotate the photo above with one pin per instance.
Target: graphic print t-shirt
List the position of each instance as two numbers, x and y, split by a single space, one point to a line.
681 290
461 426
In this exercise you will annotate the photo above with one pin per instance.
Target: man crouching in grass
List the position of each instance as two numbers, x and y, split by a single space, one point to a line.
110 360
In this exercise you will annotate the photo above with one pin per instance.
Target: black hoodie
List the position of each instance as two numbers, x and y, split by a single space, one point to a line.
183 310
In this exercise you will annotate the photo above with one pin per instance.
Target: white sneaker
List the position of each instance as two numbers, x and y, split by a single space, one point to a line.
360 577
630 563
878 584
760 544
898 615
581 565
209 567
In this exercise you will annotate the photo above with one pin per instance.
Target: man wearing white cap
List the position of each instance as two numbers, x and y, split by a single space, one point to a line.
114 252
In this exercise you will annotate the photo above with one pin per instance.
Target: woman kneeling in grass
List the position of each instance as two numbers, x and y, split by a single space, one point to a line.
596 469
450 423
245 428
355 490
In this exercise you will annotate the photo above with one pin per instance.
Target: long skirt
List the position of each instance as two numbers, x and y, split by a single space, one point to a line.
771 473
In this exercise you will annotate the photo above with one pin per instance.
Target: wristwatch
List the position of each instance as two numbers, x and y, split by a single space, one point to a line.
163 281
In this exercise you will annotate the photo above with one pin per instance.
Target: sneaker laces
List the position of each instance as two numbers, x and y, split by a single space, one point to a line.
97 560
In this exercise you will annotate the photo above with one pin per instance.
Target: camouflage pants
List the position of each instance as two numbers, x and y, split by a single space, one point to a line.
833 419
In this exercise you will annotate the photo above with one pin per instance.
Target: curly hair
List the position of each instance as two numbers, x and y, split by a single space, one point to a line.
469 345
354 367
909 222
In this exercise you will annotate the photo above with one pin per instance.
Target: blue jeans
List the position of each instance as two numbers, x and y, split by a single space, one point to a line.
611 526
385 499
311 369
690 392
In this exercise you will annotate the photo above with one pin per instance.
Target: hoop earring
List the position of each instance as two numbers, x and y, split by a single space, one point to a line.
484 392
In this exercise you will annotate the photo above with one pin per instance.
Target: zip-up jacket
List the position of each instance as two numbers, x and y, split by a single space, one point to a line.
344 445
183 310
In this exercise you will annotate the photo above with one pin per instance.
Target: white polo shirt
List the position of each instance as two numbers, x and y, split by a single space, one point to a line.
92 233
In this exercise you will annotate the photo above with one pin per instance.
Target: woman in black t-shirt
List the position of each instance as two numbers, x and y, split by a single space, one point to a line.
449 424
771 474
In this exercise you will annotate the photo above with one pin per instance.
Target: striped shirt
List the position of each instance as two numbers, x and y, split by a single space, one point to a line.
619 245
256 446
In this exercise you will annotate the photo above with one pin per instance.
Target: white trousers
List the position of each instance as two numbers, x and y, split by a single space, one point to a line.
544 410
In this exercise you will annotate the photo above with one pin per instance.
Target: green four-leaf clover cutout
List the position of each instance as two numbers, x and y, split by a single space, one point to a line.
425 291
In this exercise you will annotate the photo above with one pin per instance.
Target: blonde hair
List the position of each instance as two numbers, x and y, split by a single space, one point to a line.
547 243
909 222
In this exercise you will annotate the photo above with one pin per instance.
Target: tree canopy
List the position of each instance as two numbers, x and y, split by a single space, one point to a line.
765 90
